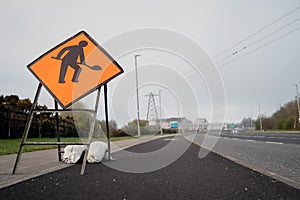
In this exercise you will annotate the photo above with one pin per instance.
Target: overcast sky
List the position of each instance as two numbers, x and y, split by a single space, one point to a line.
264 74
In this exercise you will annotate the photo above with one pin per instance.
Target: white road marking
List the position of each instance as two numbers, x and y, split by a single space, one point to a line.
257 141
170 139
259 136
273 142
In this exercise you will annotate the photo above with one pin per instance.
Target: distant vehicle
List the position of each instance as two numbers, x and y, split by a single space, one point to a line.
201 130
236 130
225 128
229 130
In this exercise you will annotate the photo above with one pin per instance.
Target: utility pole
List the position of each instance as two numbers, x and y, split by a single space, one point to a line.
261 129
137 95
160 120
296 85
250 119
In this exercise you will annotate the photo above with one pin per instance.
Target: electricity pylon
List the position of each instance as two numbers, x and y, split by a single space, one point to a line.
152 114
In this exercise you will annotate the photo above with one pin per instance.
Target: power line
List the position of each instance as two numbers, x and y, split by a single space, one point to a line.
264 45
260 47
255 33
260 30
252 51
250 45
187 74
263 38
273 32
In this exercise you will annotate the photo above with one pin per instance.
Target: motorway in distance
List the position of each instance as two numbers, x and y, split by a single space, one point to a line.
274 154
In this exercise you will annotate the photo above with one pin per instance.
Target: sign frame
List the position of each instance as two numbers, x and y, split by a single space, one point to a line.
65 107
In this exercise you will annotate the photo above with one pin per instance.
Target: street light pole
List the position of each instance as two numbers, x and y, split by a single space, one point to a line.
179 118
160 121
137 95
297 101
260 118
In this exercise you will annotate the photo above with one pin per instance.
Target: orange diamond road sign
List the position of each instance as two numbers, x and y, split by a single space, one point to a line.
74 69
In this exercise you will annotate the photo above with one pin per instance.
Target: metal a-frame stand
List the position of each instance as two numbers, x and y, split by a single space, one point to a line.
59 143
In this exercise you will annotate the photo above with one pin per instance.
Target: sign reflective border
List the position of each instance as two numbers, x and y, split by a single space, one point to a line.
74 68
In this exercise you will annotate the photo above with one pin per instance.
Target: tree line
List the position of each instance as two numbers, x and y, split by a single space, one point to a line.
14 113
285 118
13 117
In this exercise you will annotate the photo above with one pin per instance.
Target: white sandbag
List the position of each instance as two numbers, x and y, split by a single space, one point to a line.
72 153
97 151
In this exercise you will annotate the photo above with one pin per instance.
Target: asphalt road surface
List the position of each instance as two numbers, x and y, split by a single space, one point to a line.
212 177
275 154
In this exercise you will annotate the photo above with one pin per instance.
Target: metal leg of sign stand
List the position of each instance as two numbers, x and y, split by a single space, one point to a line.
106 119
57 131
90 133
27 127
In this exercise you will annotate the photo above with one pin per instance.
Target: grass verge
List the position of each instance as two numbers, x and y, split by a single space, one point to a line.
11 146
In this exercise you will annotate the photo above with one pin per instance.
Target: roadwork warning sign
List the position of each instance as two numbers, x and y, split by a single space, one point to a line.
74 68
